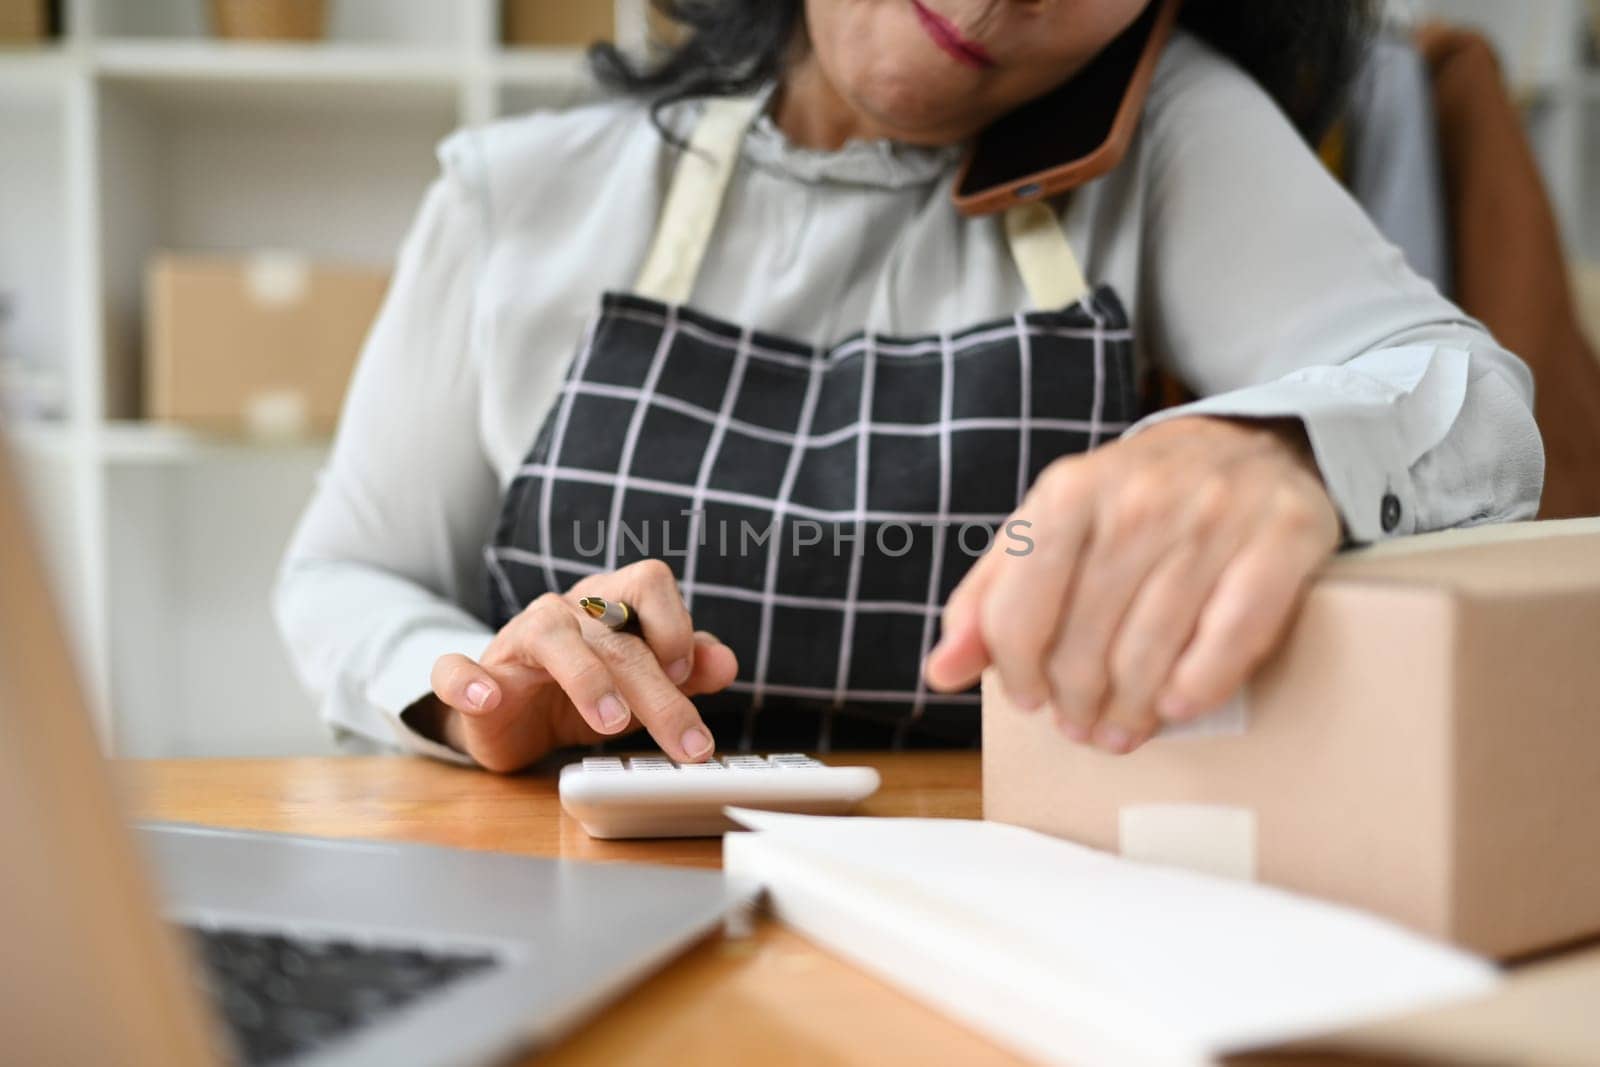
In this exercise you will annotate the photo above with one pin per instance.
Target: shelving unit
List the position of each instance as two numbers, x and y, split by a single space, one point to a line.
136 132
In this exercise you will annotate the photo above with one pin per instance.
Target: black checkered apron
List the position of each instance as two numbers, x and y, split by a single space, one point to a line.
817 505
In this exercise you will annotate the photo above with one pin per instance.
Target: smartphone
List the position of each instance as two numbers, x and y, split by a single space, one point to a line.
1072 134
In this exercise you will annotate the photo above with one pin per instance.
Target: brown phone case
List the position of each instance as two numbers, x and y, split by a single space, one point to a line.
1075 172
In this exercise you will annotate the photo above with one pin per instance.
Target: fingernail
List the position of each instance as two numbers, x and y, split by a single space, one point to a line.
1075 731
679 671
613 715
1027 701
478 694
1113 738
1174 708
696 742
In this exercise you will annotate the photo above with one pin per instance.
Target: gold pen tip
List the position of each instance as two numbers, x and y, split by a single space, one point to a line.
595 606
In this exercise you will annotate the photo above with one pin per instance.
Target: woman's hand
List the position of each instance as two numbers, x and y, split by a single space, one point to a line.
1164 568
554 677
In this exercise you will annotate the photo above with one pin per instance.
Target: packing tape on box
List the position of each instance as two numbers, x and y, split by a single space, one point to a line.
1215 839
274 279
277 415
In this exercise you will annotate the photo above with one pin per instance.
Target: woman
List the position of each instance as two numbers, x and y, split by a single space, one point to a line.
813 389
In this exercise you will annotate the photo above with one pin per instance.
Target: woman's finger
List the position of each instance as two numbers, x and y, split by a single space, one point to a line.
715 666
1022 608
556 642
546 642
1157 627
650 588
1128 540
464 685
1080 665
1242 621
1164 613
655 700
960 656
501 733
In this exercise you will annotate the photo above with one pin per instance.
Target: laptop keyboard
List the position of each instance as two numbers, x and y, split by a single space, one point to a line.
282 996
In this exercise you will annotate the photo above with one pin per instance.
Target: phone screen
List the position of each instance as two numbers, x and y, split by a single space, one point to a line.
1063 125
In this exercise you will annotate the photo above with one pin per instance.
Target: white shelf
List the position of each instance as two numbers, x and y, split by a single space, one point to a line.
212 61
39 69
526 79
136 442
216 74
48 438
438 22
128 442
542 68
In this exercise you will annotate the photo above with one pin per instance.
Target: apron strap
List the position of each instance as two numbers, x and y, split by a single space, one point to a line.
1039 245
1043 256
695 199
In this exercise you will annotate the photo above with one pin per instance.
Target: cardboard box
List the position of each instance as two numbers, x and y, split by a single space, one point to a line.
558 23
269 20
23 21
264 344
1426 745
661 32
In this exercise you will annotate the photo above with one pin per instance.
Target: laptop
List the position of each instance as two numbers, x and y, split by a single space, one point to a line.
262 948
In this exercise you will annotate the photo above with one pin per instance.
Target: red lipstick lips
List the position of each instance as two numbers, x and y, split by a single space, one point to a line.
948 37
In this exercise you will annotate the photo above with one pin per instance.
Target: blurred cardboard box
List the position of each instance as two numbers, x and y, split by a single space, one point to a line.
269 20
263 344
664 33
1586 290
558 23
23 20
1426 745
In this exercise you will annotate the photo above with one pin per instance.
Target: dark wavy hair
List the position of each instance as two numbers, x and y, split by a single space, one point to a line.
1302 52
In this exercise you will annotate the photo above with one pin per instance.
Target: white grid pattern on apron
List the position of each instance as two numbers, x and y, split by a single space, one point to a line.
886 613
719 432
935 572
1087 336
780 511
641 406
847 629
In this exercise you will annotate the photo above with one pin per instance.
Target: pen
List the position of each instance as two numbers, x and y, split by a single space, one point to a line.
615 614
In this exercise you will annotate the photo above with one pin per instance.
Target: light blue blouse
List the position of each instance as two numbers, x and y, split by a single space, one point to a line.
1245 267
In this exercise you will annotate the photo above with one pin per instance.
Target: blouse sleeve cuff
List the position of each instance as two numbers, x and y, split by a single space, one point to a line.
1368 421
403 681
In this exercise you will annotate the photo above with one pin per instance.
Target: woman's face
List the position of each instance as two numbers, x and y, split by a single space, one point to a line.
939 71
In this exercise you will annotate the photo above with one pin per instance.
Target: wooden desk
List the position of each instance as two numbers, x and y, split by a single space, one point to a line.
774 998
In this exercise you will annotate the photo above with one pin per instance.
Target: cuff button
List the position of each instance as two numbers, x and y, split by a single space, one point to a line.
1390 513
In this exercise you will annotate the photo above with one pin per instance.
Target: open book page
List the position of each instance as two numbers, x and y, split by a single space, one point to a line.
1178 965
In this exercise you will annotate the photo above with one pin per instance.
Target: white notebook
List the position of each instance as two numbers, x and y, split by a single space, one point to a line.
1065 954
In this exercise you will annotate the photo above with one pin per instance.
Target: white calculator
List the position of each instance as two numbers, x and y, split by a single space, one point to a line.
651 796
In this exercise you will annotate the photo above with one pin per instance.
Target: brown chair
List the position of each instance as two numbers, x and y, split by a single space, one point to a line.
1510 273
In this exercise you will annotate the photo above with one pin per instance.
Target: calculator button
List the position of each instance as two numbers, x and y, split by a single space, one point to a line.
792 759
602 763
651 763
708 765
746 763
